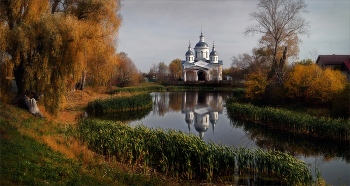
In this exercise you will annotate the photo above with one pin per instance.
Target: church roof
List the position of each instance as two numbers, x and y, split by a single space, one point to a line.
213 53
201 45
189 52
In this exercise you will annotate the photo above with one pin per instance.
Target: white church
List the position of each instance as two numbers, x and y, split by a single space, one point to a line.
200 65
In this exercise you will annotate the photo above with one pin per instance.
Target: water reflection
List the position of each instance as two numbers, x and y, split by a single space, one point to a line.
200 112
296 144
200 109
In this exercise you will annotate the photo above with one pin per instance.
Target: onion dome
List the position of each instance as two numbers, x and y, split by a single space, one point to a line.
189 51
213 52
201 43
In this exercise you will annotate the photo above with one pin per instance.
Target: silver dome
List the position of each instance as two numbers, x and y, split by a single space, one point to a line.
213 53
201 45
189 52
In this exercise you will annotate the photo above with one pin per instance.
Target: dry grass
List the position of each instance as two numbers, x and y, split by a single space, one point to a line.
45 130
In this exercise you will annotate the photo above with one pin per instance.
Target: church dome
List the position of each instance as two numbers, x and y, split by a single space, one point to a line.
201 45
189 53
213 53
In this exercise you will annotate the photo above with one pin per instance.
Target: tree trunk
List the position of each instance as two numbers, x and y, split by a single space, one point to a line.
283 59
18 73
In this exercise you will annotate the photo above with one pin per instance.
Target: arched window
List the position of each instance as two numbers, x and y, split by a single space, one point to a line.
201 54
207 54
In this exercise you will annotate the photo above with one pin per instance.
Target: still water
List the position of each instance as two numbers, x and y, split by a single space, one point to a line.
203 114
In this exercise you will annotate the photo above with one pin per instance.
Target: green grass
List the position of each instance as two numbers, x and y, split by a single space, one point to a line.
186 156
292 121
120 103
27 161
139 89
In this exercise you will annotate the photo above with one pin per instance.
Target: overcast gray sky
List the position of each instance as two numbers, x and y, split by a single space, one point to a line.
159 30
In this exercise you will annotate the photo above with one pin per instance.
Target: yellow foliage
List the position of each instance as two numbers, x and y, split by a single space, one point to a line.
46 44
312 84
256 84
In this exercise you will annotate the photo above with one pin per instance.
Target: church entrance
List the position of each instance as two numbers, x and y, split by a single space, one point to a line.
201 76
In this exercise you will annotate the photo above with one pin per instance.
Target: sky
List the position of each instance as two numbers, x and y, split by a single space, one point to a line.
156 31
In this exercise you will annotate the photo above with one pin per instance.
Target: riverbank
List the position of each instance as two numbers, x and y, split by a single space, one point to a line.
52 132
36 151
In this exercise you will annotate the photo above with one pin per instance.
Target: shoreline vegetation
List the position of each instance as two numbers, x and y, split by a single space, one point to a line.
182 155
169 165
292 121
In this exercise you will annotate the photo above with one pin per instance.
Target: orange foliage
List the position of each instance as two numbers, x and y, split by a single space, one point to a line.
47 44
256 84
312 84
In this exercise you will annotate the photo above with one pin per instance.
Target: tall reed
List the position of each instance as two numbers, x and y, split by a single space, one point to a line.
292 121
120 103
186 155
139 89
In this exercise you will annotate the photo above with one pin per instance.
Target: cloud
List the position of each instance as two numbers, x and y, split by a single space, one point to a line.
155 31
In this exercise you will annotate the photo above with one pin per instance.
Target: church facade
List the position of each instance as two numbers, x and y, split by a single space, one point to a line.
200 65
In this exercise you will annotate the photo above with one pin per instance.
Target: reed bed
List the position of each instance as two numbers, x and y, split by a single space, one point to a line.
187 156
293 142
137 101
126 115
139 89
292 121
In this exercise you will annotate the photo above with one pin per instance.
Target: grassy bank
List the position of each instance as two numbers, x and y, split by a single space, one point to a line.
36 152
139 89
136 101
292 121
186 156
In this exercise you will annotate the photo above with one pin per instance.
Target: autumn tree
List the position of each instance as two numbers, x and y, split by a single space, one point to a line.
280 22
257 62
311 84
52 42
126 72
175 69
256 84
163 70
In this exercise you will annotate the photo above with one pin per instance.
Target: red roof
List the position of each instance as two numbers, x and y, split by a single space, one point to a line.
345 66
333 59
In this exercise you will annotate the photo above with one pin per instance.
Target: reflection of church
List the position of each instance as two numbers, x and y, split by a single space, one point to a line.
201 108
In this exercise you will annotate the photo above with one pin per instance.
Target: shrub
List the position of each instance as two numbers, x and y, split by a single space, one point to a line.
312 84
256 85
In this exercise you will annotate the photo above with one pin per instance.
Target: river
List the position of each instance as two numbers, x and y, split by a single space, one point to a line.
202 113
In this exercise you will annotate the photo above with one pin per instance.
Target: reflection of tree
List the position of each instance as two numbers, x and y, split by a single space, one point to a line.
189 100
296 144
215 101
128 115
161 103
175 101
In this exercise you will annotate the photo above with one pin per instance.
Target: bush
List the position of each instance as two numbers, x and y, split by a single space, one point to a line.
313 85
256 85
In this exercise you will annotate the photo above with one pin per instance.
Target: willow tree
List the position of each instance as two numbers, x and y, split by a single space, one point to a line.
280 22
48 43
